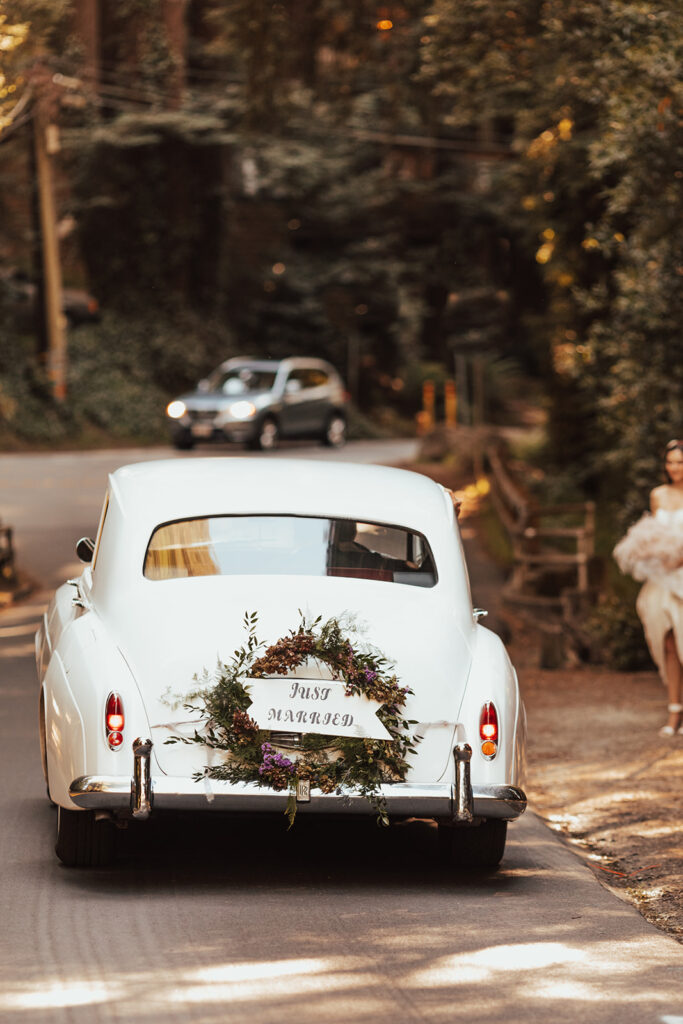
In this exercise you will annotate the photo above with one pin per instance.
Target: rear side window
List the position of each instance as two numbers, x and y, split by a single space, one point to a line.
309 378
315 379
289 546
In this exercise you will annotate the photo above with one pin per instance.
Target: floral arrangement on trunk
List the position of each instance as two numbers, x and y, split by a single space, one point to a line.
328 763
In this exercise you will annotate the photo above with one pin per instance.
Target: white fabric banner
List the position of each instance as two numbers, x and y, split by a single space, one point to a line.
313 705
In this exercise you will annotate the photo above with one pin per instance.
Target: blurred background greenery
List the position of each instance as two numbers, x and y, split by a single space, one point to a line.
408 189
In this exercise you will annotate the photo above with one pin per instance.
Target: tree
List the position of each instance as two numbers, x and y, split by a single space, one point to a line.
592 94
28 30
332 176
12 35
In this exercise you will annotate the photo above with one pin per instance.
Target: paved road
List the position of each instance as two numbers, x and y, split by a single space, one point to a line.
201 921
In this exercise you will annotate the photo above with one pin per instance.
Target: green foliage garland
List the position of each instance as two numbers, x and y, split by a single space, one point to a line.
328 763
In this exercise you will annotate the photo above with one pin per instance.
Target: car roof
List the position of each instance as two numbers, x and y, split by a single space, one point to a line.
163 491
274 364
258 364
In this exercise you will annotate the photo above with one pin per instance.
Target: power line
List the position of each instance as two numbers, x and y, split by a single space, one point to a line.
20 104
130 97
16 121
8 132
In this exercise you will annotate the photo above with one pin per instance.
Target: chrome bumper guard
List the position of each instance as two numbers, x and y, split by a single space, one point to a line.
460 803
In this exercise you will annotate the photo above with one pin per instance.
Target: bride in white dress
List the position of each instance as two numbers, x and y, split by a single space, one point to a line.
652 551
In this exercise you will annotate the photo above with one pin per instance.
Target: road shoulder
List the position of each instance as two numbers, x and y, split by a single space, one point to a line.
599 773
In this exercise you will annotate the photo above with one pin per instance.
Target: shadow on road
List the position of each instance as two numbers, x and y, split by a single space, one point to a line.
230 851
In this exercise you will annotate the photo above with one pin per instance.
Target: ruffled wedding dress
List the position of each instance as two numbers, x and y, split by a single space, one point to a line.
652 550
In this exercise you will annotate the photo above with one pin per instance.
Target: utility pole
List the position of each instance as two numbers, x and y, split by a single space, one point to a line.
46 139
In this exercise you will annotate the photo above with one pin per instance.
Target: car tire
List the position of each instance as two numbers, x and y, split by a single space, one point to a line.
183 442
335 431
82 840
267 435
476 847
43 746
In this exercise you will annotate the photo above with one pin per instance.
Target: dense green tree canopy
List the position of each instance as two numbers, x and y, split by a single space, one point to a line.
592 94
426 177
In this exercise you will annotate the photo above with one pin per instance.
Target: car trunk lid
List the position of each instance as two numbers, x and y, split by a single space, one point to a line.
191 626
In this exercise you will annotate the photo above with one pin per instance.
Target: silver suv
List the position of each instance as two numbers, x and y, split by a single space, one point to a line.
258 401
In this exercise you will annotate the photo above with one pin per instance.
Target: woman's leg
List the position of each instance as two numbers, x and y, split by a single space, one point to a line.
673 678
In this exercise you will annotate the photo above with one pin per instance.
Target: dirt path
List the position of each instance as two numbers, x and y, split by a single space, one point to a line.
600 774
598 771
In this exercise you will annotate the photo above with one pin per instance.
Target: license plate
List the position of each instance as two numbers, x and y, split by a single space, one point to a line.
202 429
303 791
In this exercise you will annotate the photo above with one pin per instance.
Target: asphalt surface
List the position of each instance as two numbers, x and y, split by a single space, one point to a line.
207 919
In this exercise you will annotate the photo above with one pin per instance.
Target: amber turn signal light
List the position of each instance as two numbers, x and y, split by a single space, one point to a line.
488 730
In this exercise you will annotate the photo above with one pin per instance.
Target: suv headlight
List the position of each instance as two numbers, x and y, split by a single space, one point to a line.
242 410
176 409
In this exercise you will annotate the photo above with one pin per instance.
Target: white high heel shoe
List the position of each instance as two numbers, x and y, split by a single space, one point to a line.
669 730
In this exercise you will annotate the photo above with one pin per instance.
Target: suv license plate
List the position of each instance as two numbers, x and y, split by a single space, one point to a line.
202 430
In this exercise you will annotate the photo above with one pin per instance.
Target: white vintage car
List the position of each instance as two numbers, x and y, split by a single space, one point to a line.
186 548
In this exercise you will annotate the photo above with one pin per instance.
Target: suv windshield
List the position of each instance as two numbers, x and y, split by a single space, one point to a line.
289 546
241 380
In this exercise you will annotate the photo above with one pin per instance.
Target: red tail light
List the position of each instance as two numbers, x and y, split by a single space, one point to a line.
488 730
114 721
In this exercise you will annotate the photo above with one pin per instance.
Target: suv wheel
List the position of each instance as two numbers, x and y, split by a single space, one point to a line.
183 442
335 431
267 436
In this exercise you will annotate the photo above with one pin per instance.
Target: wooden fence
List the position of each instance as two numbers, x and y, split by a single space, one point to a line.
545 539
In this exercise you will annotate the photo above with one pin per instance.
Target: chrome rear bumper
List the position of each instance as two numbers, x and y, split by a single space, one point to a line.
443 801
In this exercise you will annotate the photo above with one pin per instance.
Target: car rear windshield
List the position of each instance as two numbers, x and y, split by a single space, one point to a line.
289 546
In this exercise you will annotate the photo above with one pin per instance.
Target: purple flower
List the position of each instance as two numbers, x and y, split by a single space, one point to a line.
284 762
370 676
271 760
